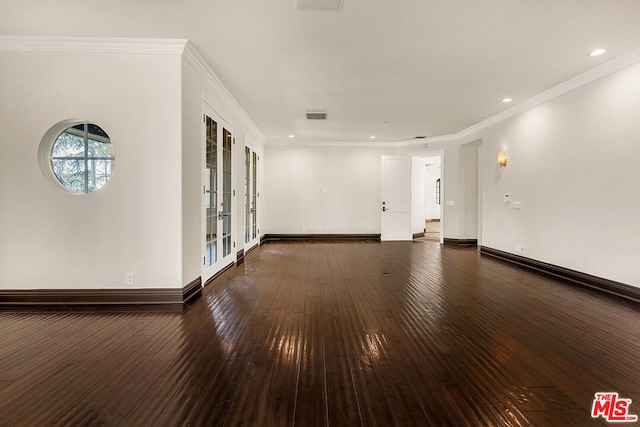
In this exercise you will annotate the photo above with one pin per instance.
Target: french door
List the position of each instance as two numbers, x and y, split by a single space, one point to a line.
218 244
251 194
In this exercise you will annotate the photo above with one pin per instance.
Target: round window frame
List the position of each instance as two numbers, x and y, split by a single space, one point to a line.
45 150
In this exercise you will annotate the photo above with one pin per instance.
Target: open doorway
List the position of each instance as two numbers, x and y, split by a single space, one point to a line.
427 189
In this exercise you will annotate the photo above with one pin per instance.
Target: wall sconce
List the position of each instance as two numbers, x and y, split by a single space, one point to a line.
502 159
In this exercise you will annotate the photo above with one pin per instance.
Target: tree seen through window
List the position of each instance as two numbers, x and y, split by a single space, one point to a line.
83 157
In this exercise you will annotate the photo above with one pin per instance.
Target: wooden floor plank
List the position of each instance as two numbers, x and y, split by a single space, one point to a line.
120 404
282 386
342 401
90 392
20 409
310 401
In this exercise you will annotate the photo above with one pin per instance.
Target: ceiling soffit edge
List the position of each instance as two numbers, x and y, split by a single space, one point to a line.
603 70
135 46
92 44
193 57
303 143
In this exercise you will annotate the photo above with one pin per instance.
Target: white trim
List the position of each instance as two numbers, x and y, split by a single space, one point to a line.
92 44
248 142
443 186
185 48
255 149
210 103
428 140
193 58
222 262
603 70
583 79
289 142
385 236
181 47
44 154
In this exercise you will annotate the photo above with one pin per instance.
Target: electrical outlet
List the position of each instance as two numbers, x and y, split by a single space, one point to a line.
519 249
131 278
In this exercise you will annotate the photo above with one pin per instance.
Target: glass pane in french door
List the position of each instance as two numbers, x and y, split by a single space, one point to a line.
226 192
247 194
211 193
254 197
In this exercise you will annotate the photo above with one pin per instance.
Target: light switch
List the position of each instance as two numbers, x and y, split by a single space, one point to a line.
517 205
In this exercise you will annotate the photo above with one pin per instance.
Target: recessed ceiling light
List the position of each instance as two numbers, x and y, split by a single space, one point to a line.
597 52
372 137
505 100
292 136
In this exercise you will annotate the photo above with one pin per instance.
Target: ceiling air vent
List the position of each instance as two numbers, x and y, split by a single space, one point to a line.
316 115
318 5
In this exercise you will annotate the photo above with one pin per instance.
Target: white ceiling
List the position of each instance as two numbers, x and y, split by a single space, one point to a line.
425 67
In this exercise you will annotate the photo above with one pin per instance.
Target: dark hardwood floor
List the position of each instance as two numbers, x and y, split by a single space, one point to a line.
407 334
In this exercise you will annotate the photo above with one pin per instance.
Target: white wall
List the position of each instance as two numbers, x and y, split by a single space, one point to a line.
432 173
459 168
417 189
192 163
573 164
323 190
468 190
52 239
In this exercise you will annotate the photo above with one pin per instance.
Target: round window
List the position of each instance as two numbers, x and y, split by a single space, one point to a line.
80 156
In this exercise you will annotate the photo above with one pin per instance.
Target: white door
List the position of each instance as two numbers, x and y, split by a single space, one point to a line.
251 195
396 198
218 243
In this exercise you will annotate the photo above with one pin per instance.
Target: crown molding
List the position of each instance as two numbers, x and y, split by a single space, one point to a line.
92 44
603 70
134 46
193 58
429 140
185 48
307 143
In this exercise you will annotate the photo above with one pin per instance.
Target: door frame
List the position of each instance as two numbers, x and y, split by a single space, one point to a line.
441 154
252 241
208 110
